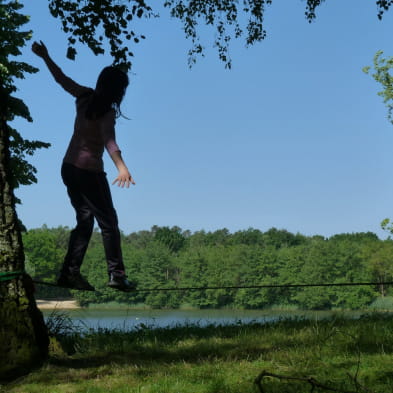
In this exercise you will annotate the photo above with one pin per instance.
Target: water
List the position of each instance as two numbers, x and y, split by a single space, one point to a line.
128 319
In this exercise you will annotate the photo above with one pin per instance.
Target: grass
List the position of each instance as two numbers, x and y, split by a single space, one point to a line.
340 353
382 303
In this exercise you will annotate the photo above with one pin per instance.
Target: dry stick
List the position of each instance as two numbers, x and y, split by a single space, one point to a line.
314 384
354 378
358 385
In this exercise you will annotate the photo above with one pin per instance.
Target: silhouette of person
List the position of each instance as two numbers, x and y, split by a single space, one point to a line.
83 171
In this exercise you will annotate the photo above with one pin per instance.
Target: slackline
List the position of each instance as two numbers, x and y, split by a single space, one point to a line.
262 286
8 276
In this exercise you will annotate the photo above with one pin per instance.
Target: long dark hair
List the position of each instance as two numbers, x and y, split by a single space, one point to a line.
108 94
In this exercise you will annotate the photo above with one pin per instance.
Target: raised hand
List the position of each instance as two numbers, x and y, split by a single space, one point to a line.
39 49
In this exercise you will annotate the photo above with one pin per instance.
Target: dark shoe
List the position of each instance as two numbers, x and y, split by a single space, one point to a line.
74 281
121 283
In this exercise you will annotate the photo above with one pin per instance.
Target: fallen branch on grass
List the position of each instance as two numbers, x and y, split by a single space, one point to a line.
314 383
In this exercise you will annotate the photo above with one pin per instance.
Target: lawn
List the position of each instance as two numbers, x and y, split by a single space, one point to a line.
342 355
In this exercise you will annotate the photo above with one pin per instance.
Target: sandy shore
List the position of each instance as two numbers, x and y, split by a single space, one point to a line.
58 304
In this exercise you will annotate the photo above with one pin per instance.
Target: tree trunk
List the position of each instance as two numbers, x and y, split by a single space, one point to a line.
23 334
382 289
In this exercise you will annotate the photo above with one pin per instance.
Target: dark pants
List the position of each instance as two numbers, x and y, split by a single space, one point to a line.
91 198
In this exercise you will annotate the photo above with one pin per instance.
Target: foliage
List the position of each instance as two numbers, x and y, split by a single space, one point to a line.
387 225
90 21
382 75
93 21
12 40
171 257
22 172
383 5
171 237
45 250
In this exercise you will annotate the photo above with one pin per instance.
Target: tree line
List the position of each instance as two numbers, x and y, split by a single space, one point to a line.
164 257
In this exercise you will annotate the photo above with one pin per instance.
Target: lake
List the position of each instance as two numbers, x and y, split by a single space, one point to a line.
128 319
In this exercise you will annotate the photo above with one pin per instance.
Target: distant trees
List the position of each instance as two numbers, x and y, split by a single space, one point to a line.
381 264
171 257
44 253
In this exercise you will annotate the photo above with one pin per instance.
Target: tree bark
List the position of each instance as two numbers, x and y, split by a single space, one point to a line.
23 334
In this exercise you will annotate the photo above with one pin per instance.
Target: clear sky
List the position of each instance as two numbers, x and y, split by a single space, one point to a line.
293 137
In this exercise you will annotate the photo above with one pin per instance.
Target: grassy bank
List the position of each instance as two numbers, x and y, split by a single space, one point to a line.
347 355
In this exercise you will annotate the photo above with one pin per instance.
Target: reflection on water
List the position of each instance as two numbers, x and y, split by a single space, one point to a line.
127 319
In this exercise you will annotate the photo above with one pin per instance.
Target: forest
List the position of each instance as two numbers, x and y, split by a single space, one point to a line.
167 257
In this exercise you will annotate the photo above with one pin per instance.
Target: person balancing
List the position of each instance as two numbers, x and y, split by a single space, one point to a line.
83 173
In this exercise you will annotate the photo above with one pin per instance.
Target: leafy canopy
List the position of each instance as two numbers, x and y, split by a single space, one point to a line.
12 39
93 21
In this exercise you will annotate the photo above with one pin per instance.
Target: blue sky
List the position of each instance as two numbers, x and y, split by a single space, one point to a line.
293 137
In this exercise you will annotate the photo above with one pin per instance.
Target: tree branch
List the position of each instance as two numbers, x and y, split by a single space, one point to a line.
310 380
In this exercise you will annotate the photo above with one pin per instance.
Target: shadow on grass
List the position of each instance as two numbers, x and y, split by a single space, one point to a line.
148 349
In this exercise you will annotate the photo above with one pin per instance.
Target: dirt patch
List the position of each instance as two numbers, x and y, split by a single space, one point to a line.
58 304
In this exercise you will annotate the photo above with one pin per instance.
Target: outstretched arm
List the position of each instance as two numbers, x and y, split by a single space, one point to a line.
67 83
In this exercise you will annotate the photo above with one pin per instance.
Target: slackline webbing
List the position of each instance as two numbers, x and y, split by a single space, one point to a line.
262 286
8 276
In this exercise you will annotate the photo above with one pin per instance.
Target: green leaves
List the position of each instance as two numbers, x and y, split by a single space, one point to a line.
92 20
22 172
12 39
170 237
243 258
382 73
45 250
224 16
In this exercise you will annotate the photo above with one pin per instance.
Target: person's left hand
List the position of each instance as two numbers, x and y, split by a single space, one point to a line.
124 179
